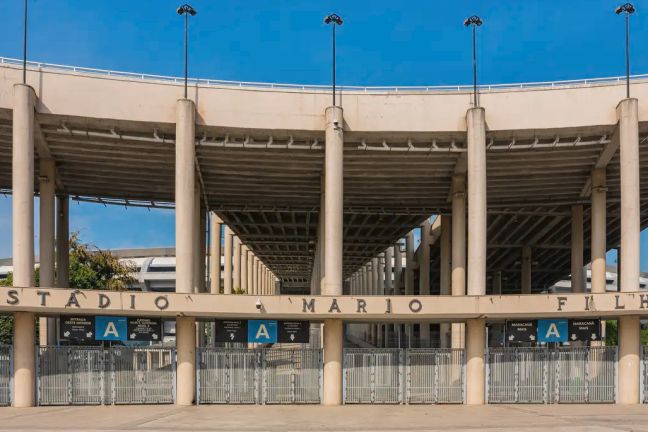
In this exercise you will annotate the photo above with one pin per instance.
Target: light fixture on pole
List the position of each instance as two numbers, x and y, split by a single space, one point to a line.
186 10
474 22
629 9
25 45
336 21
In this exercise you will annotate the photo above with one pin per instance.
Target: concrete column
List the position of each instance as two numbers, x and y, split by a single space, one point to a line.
321 237
185 184
333 342
577 280
526 270
475 370
244 267
398 268
629 357
229 245
197 226
237 264
476 143
47 217
445 272
365 281
598 228
627 112
424 259
186 358
334 194
458 246
255 276
250 271
409 269
497 283
215 253
389 266
24 370
62 241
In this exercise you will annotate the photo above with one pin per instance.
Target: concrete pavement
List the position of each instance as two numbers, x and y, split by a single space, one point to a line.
572 418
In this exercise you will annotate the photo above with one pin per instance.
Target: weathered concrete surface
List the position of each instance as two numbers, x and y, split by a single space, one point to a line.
572 418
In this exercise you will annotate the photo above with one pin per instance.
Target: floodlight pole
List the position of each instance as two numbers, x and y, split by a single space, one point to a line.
474 21
628 9
336 20
186 10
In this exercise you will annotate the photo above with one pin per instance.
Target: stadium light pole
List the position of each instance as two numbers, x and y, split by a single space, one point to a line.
25 45
474 22
629 9
186 10
336 21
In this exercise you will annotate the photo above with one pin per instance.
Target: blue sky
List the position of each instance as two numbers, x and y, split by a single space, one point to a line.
381 43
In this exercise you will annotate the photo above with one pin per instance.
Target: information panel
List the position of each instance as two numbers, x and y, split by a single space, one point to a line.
77 328
262 331
585 330
521 331
231 331
145 329
294 332
110 328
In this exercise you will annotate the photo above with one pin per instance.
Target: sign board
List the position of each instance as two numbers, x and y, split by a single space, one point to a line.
294 332
584 330
111 328
552 330
77 328
145 329
231 331
262 331
521 331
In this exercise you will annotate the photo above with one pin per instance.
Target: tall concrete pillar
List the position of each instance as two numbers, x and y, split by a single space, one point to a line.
398 268
424 277
229 246
476 143
62 241
333 223
47 218
186 218
526 269
186 360
598 229
365 281
198 228
445 272
475 370
250 271
627 112
244 267
236 254
409 268
458 247
255 276
629 359
24 370
216 232
577 280
389 289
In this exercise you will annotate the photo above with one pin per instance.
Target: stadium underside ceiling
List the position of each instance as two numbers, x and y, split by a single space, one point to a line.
267 186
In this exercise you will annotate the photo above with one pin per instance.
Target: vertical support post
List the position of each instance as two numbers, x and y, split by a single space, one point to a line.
229 243
24 370
215 253
47 179
577 280
196 247
62 241
244 268
475 370
525 263
458 251
186 217
250 271
333 211
255 276
424 279
237 264
598 229
476 143
629 330
445 272
389 290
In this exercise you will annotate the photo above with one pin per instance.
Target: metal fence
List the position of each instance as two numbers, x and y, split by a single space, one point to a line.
249 376
6 367
559 375
93 375
434 375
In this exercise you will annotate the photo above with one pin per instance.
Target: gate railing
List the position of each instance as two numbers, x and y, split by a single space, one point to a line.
559 375
412 375
93 375
259 376
6 368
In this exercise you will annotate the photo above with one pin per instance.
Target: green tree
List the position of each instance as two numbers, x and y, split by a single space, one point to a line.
90 268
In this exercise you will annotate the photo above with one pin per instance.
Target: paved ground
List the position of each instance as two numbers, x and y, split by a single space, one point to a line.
572 418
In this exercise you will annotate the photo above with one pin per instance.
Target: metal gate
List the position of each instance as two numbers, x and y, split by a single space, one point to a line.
292 376
6 366
228 376
93 375
560 375
142 375
434 375
373 376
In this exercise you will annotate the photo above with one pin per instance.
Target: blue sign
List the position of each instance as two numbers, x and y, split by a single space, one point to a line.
553 330
262 331
111 328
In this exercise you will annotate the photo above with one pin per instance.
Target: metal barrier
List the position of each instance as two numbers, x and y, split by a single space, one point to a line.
6 367
434 375
373 375
292 376
228 376
93 375
560 375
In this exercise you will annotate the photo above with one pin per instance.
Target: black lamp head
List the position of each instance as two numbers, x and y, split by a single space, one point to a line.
333 18
186 9
627 8
473 20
